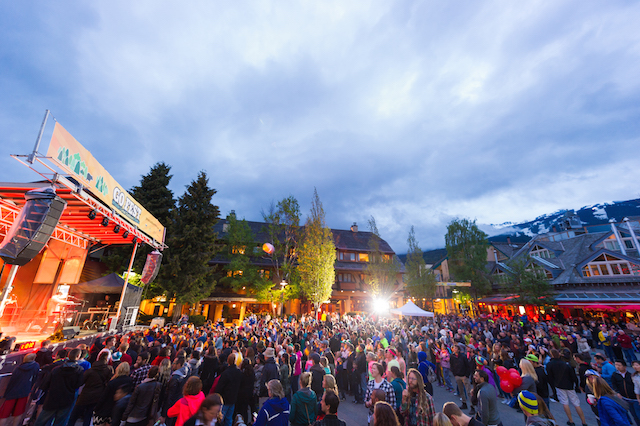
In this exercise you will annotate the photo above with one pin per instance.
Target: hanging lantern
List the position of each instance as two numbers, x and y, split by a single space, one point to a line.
268 248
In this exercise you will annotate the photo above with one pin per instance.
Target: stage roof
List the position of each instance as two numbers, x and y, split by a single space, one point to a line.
75 226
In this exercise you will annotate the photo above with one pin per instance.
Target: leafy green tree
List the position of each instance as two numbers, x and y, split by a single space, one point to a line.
283 230
317 255
528 280
241 271
420 281
188 276
467 253
383 268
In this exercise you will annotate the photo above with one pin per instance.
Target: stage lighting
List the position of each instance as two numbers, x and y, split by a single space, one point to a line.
116 229
134 240
380 305
92 214
125 234
105 221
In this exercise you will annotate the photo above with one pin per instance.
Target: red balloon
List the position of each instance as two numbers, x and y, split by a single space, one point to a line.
515 379
502 371
513 370
506 386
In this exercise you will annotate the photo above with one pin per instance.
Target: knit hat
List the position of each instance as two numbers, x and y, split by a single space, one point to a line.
591 372
532 358
479 360
528 402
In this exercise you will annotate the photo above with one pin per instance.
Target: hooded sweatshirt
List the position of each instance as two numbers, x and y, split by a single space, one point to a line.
303 403
185 407
61 386
22 380
274 412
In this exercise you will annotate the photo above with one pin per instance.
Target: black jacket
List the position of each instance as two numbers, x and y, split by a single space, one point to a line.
361 363
61 386
106 404
317 376
144 401
561 375
542 385
95 383
623 385
459 365
330 420
269 372
229 385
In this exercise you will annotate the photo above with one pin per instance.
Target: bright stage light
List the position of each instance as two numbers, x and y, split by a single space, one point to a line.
380 305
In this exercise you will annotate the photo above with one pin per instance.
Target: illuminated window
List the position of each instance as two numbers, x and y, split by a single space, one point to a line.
238 249
607 265
265 273
363 257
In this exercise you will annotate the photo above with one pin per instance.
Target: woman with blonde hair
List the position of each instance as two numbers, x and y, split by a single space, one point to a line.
612 410
529 378
441 420
275 410
329 383
102 412
303 403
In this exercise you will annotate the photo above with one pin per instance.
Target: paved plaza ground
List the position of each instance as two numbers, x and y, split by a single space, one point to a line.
356 415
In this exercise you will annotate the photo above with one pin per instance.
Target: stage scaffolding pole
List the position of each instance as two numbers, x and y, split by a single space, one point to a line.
8 286
126 281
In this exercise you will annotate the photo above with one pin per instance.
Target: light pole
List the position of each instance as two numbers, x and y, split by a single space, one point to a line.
283 284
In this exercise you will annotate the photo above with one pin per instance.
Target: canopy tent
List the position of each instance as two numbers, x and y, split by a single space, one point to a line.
109 284
411 310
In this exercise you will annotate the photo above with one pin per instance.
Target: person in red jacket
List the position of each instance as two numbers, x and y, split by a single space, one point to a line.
189 404
626 345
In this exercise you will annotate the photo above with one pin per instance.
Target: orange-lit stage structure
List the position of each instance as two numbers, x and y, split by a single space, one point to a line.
97 213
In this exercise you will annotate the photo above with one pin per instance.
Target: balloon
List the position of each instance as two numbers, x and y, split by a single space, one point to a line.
502 371
268 248
515 379
506 386
513 370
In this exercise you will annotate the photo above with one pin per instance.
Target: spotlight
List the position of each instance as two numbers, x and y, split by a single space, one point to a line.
116 229
134 240
105 221
92 214
125 234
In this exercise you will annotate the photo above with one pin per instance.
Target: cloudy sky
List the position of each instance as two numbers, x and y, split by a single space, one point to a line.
414 112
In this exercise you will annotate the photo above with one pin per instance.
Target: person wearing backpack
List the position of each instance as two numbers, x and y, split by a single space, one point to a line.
427 370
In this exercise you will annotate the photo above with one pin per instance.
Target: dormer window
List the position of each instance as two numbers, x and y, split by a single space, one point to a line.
541 252
611 243
347 256
606 265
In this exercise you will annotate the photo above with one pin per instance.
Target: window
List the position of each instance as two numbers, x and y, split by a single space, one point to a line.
345 278
541 252
350 257
607 265
234 273
238 249
363 257
611 245
265 273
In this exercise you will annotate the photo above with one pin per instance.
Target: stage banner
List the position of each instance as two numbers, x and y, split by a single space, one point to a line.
70 155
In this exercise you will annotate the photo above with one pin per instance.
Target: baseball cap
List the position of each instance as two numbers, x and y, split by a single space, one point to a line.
591 372
532 358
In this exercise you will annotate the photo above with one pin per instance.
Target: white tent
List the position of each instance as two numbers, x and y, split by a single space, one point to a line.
411 310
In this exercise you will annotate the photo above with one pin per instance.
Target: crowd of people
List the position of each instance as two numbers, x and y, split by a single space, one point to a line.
297 371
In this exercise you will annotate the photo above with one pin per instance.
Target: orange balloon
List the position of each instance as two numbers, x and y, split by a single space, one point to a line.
268 248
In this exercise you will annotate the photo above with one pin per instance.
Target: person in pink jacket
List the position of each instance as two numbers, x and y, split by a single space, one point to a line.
190 402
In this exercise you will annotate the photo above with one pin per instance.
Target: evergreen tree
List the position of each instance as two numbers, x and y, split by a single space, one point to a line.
188 276
283 230
420 281
467 254
317 256
383 268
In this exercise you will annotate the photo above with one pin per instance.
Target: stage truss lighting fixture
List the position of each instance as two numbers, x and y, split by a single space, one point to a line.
125 234
116 229
105 221
92 214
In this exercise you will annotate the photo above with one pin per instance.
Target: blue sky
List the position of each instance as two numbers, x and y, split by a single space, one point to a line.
414 112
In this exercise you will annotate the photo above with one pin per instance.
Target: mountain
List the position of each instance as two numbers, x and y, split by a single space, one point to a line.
597 214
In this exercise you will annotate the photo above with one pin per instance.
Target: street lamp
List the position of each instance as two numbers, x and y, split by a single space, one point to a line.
283 284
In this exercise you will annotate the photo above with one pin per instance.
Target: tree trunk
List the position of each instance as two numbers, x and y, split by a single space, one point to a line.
177 312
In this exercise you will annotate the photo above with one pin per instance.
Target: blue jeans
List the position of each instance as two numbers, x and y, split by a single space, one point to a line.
84 412
54 417
227 413
634 407
447 377
608 350
629 355
363 384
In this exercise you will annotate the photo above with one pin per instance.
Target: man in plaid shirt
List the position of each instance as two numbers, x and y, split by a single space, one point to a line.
140 373
378 382
417 405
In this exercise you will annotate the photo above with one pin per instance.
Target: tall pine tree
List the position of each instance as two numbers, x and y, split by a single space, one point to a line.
317 256
420 281
192 243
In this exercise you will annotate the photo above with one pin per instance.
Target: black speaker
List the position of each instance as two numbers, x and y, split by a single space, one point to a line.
70 332
151 267
33 226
